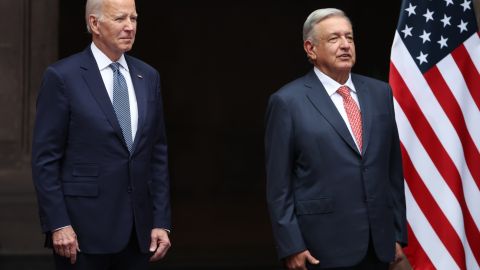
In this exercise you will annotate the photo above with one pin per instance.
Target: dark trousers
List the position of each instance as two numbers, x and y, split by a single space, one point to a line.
129 258
369 262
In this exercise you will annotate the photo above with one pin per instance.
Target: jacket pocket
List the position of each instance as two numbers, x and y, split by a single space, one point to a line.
82 189
311 207
85 170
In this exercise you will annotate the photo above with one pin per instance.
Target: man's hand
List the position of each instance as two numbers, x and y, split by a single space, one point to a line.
65 243
297 261
399 255
159 245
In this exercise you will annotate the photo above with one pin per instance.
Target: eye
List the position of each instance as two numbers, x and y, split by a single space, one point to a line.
133 18
333 39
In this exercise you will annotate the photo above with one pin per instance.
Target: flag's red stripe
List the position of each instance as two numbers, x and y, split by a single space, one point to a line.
432 211
425 133
453 111
469 72
416 255
437 154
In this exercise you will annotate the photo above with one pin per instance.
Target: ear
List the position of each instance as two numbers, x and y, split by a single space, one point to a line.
93 23
309 48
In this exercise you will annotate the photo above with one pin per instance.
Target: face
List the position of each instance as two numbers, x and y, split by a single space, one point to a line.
114 32
333 50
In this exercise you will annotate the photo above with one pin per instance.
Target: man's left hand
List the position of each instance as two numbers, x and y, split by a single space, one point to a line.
159 245
399 255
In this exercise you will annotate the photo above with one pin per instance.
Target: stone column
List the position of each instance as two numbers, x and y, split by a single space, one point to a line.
29 42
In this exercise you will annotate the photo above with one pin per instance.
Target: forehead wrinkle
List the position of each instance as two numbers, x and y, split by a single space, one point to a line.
341 33
115 10
328 28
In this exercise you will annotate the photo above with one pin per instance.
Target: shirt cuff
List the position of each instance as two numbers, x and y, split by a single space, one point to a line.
58 229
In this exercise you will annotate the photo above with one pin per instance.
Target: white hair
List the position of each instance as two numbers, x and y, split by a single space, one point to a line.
318 16
93 7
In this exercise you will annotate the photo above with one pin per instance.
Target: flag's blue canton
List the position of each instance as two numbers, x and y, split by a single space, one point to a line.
432 29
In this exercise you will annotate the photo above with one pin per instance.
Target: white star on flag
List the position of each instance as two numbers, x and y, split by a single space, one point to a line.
428 15
411 10
445 20
422 58
425 36
462 26
407 31
466 5
448 2
442 42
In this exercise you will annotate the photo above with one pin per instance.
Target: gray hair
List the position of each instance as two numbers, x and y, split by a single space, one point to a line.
93 7
318 16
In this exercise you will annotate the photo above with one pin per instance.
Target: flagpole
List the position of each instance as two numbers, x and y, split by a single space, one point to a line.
476 6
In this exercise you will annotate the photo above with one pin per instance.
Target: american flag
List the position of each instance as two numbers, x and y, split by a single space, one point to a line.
434 74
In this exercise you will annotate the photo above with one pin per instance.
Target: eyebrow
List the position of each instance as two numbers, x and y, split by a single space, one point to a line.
123 14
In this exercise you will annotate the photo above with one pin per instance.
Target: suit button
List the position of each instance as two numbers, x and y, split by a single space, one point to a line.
129 189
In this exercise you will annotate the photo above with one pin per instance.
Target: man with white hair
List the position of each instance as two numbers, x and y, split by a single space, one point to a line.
99 158
334 174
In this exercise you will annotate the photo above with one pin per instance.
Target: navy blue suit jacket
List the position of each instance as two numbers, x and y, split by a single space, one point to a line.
323 194
82 170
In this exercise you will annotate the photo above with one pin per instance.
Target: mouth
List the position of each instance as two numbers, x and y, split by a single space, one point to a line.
345 56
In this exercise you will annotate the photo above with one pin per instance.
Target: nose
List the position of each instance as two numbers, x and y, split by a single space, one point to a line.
345 42
129 25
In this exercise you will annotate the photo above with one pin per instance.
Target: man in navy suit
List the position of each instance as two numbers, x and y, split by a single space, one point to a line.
334 175
99 158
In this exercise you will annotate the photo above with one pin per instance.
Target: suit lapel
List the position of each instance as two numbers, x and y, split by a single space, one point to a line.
93 79
365 106
324 105
139 84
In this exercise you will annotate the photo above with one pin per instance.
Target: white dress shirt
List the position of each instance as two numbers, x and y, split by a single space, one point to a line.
331 86
103 63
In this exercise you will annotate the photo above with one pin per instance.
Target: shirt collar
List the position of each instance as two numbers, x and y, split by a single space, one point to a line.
330 85
103 61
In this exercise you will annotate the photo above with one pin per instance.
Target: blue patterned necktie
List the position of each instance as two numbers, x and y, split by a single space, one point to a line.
121 104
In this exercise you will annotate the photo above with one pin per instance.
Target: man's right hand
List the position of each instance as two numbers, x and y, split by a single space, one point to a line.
297 261
65 243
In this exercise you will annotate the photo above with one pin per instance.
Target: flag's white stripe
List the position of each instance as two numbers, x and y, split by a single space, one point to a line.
423 95
425 167
471 262
455 81
472 44
426 237
439 190
437 119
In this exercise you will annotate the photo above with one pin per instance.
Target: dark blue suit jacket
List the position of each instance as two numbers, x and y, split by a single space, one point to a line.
323 195
83 172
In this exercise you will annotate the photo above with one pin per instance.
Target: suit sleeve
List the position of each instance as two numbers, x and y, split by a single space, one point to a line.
397 182
160 177
48 145
279 154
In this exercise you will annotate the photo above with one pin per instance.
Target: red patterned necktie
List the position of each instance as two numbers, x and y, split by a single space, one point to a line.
353 114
